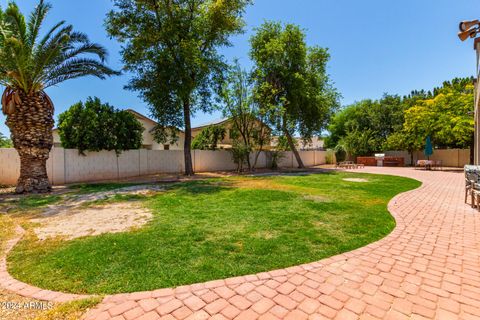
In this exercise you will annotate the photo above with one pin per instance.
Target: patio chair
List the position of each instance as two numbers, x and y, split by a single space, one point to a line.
438 164
472 185
420 164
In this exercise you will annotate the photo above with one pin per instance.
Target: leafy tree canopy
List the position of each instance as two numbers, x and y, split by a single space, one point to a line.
394 123
365 125
291 82
447 117
209 138
96 126
249 130
171 48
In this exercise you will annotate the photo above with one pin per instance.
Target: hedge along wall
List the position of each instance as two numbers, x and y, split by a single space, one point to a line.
68 166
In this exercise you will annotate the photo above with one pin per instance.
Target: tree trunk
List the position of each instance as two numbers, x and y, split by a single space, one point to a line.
294 149
188 140
247 144
257 155
31 125
291 144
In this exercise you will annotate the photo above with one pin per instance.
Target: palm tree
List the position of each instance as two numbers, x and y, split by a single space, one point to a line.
30 64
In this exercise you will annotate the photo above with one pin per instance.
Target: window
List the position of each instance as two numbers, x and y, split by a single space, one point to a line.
166 147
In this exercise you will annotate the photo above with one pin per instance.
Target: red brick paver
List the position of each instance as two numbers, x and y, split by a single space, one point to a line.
428 267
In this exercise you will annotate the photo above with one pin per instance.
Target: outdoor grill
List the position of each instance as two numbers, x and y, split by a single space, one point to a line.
380 157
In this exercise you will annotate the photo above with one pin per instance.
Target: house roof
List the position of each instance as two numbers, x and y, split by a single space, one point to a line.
212 123
139 115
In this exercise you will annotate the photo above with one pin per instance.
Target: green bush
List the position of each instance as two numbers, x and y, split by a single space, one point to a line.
330 157
340 153
96 126
209 138
277 155
240 153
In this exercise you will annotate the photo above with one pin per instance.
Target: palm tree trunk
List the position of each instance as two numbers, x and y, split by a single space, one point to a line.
31 125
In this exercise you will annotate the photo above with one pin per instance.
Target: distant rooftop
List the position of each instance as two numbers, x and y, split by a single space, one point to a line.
212 123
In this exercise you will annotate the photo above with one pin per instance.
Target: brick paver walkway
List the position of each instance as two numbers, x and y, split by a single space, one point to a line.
429 267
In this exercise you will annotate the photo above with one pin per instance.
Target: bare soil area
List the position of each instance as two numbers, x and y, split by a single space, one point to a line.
355 180
92 221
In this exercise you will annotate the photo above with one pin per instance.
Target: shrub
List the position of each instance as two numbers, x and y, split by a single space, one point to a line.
240 153
276 155
96 126
330 157
209 138
340 153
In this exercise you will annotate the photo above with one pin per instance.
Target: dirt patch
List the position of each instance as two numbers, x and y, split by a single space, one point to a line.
355 180
262 184
92 221
267 234
315 198
73 202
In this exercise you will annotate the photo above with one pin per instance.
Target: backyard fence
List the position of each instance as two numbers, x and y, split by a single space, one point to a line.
449 157
67 166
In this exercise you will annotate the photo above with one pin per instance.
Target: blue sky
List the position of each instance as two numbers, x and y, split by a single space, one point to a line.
377 46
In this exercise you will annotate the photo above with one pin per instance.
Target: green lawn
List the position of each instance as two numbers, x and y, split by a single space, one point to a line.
214 229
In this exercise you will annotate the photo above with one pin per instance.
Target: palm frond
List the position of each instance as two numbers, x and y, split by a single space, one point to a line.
31 65
17 20
35 21
78 67
47 36
78 37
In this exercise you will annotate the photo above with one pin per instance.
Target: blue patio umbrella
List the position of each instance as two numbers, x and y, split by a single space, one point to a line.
428 148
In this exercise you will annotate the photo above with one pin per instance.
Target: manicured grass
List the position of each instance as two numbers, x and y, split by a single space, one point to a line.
205 230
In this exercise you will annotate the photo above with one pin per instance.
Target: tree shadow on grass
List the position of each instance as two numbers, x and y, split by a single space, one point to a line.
200 187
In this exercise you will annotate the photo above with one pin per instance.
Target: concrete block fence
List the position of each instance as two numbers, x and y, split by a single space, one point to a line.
449 157
68 166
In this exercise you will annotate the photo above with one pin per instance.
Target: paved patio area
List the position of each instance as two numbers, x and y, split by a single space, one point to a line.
428 268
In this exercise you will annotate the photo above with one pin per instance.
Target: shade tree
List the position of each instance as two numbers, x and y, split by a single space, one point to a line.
170 47
291 83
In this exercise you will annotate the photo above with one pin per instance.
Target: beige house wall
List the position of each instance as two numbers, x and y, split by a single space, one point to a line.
68 166
150 141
